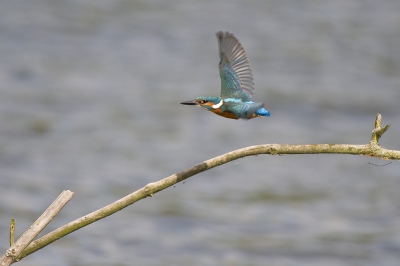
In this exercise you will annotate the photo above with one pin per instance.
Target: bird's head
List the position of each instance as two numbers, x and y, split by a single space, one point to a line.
209 103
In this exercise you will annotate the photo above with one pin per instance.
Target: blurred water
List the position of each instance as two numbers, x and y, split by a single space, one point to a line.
89 102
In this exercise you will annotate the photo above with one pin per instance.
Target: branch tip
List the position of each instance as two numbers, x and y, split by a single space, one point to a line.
378 131
12 230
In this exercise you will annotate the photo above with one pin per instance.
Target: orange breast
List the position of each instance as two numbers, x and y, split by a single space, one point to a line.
224 114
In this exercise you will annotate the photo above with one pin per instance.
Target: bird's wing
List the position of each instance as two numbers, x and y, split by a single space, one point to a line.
234 68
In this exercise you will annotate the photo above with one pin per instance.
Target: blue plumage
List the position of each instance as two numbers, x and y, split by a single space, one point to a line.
236 83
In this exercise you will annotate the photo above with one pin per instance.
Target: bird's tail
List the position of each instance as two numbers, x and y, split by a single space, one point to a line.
262 112
256 110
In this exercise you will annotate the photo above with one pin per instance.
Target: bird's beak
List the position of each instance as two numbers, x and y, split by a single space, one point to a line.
193 102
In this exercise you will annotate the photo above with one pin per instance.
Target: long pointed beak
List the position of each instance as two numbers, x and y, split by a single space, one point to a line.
193 102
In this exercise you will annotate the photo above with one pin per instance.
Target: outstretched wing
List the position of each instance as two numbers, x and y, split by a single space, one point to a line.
234 68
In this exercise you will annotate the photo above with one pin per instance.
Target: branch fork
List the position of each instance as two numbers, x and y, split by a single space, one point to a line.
378 131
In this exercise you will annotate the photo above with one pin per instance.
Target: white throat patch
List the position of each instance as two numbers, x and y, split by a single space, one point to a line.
216 106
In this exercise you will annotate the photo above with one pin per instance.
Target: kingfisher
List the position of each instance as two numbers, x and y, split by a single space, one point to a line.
236 83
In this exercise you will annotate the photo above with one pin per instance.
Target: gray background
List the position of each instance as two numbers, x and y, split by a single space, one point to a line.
90 94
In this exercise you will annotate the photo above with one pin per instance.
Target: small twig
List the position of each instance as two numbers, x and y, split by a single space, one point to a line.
378 131
15 250
12 231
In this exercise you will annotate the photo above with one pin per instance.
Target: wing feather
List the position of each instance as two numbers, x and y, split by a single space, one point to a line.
234 68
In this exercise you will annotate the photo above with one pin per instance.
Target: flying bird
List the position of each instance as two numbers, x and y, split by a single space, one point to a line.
236 83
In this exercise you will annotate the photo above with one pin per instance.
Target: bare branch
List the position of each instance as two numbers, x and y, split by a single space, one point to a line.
371 149
15 250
